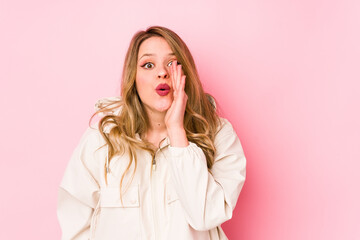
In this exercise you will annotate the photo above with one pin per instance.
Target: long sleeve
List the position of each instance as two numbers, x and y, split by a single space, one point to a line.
209 199
79 189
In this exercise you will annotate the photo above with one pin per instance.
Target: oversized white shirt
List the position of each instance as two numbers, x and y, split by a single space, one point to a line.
177 198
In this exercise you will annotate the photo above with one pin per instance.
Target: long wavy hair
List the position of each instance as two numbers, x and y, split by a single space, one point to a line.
201 120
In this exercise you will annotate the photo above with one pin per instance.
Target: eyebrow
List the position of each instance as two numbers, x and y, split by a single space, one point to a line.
153 54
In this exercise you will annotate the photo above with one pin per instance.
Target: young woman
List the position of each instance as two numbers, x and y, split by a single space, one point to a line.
161 163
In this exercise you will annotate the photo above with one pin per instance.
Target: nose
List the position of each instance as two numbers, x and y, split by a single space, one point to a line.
163 73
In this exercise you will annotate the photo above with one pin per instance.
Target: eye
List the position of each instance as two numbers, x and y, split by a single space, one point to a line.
170 63
148 65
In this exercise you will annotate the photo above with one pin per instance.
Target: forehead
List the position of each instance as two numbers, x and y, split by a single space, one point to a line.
154 45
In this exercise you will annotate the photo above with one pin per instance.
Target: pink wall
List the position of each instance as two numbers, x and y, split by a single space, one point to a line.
286 74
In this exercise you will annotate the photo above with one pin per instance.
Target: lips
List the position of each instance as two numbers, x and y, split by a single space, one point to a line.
162 89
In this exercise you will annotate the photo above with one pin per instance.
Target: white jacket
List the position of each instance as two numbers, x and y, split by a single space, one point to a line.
176 198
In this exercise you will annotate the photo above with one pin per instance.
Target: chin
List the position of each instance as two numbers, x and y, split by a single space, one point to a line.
162 107
158 105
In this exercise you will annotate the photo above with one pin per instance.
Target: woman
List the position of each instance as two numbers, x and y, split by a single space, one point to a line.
161 164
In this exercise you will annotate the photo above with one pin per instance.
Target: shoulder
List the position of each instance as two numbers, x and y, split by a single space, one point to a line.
224 128
91 138
92 131
226 134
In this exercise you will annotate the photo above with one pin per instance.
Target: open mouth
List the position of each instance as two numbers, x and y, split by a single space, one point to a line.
162 89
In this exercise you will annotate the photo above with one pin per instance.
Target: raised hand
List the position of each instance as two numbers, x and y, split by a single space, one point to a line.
174 118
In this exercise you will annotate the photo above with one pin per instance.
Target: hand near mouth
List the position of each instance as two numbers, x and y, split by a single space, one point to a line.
174 118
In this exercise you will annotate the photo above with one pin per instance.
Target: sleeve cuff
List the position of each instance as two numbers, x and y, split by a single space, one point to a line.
180 151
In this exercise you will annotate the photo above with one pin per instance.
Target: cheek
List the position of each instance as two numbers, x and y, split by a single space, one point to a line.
143 85
143 76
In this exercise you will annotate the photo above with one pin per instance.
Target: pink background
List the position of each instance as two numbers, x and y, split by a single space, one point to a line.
286 74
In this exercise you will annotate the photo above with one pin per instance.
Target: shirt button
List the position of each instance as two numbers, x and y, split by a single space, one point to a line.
168 197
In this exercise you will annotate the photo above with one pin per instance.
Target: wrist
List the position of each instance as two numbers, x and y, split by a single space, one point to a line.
176 130
177 137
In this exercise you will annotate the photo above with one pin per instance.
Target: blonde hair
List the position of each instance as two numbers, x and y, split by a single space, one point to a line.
201 120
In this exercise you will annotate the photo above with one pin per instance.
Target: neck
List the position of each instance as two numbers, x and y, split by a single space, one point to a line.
157 128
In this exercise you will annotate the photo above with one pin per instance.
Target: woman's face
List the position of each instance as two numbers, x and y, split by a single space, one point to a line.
153 81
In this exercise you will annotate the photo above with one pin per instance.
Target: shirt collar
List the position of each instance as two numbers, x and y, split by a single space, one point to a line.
163 144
